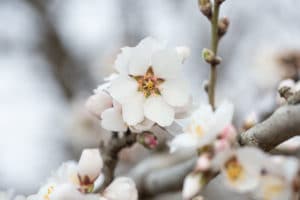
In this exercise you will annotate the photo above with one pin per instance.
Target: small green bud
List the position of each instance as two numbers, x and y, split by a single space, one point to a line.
208 55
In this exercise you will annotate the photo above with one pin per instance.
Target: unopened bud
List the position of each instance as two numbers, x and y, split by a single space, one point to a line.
223 25
98 102
206 8
219 2
209 56
286 88
148 140
89 167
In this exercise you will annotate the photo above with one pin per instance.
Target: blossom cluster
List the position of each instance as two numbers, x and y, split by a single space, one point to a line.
244 170
76 181
147 89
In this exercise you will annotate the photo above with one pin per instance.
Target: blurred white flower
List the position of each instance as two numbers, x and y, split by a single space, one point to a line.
183 52
241 169
191 185
121 188
204 126
277 181
89 166
150 83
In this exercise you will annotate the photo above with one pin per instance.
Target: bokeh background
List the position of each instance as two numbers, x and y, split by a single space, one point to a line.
53 53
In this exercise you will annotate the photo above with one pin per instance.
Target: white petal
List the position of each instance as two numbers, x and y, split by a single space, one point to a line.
99 102
133 110
166 63
90 164
121 189
224 115
157 110
184 141
66 192
191 186
142 53
122 61
175 92
123 88
112 120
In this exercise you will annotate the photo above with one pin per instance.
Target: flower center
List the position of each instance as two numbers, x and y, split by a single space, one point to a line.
149 83
234 169
198 130
49 191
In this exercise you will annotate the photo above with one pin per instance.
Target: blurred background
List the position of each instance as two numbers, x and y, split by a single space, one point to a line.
53 53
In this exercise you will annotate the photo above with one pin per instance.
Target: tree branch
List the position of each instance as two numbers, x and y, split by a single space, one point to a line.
110 154
283 124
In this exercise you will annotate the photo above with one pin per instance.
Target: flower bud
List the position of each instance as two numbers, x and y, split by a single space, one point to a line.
98 102
286 88
183 52
148 140
191 186
223 25
203 162
208 55
89 167
206 8
121 188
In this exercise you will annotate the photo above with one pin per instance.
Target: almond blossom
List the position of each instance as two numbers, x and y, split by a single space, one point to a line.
279 179
150 85
203 127
241 169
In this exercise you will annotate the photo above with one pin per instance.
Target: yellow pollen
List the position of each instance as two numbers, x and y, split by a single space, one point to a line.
198 129
148 84
234 170
49 191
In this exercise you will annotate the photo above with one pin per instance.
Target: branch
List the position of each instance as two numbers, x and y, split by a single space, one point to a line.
166 180
71 75
110 154
283 124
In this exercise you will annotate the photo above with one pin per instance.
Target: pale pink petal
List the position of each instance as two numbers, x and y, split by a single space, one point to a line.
166 63
157 110
175 92
123 88
133 110
99 102
112 120
183 141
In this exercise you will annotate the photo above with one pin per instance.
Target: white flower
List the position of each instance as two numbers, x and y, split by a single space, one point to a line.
65 192
241 170
191 185
150 83
121 188
204 126
276 182
66 173
90 165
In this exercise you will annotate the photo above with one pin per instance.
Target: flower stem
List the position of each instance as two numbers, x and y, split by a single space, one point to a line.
214 48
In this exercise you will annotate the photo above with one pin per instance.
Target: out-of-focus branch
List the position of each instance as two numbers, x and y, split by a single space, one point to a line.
283 124
69 73
110 154
168 179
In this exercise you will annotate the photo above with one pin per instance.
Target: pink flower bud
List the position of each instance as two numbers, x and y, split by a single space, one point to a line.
89 166
148 140
203 163
229 133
